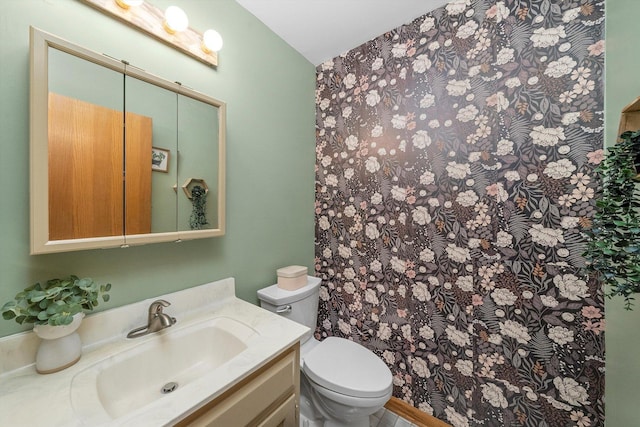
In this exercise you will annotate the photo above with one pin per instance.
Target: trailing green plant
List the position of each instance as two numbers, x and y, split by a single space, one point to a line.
198 218
613 248
56 301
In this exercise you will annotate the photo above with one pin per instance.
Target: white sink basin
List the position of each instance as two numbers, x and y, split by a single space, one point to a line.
136 377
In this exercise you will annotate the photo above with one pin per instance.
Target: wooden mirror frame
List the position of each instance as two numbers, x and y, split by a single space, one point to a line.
40 42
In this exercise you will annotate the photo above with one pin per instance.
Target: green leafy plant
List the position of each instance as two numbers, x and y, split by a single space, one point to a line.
55 302
613 248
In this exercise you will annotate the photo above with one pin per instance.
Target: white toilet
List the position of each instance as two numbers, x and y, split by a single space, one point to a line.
341 382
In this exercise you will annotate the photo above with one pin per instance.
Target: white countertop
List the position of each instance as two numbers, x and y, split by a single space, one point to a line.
30 399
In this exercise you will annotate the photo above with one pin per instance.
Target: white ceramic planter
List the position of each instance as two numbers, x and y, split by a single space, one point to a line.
60 346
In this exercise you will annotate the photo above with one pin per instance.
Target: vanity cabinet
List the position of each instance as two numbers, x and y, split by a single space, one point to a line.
266 398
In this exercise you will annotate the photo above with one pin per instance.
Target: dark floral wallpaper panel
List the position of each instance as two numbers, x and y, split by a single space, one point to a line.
455 175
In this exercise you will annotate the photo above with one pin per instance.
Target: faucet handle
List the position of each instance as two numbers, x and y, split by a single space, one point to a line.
156 306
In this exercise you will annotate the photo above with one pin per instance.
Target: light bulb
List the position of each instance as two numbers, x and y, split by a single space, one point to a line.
126 4
211 41
175 20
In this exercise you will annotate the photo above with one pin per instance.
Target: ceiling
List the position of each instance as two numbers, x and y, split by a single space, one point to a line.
324 29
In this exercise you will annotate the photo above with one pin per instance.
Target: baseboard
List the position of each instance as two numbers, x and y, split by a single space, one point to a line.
413 414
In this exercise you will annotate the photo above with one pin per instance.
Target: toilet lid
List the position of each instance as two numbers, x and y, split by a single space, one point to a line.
346 367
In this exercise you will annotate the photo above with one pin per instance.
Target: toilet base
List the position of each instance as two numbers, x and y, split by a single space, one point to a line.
317 415
306 422
362 423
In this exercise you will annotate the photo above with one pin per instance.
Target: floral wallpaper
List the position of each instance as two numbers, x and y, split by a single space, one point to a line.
455 159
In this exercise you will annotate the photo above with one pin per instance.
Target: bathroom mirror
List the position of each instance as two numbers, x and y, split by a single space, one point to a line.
119 156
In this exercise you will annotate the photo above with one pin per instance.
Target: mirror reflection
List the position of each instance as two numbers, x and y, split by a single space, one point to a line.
85 135
194 123
159 104
130 158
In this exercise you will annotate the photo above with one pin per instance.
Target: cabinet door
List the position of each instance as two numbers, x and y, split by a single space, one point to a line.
267 398
283 416
86 166
137 187
85 169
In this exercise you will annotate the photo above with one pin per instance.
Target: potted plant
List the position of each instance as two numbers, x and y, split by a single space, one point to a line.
56 309
613 248
56 302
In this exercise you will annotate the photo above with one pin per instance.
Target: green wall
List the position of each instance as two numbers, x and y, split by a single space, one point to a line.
622 86
269 91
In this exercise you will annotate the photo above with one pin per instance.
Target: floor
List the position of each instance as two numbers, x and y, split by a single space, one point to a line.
386 418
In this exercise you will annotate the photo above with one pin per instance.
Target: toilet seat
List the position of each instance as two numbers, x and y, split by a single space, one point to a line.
348 368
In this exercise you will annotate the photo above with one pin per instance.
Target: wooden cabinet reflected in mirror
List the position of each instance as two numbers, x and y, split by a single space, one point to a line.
94 122
87 192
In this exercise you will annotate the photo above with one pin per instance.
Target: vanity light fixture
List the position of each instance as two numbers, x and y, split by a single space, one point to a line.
211 41
175 20
171 27
126 4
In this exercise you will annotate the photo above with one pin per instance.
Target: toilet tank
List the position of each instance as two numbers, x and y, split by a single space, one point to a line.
300 305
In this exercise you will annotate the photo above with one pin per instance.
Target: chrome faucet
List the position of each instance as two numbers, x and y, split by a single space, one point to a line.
158 320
